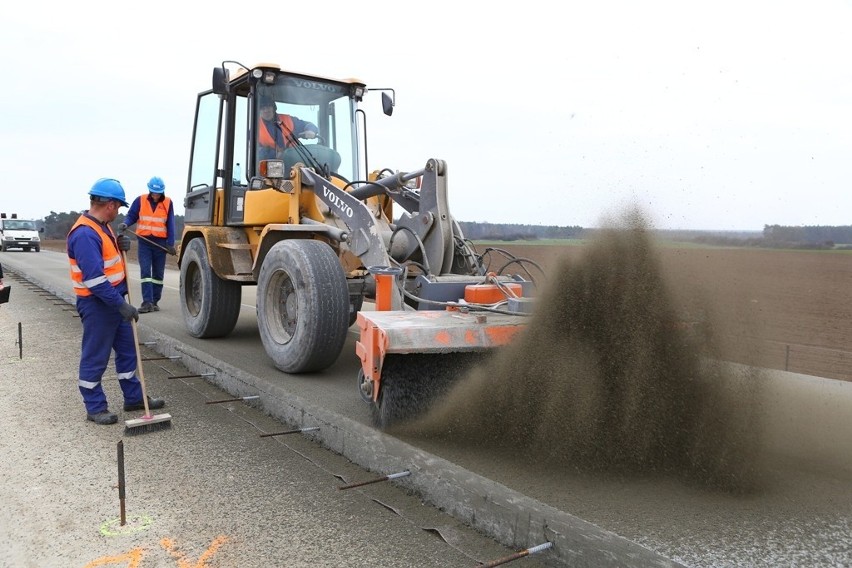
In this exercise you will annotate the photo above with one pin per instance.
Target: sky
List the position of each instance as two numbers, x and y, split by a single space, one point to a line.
723 115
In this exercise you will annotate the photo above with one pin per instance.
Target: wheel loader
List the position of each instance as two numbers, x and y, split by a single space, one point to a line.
329 243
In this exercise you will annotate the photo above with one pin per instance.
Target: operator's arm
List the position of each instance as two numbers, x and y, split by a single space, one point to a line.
84 245
301 126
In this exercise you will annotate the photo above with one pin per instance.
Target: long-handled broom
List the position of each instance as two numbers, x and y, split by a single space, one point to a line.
148 422
149 241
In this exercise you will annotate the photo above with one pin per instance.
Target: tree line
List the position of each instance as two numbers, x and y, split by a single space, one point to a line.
56 226
816 237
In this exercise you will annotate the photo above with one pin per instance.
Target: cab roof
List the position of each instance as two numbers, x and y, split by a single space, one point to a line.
243 71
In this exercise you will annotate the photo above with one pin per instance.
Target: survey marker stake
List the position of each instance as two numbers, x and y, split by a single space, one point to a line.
385 478
309 429
121 481
516 556
232 399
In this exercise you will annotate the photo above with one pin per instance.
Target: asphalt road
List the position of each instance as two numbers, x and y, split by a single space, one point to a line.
801 518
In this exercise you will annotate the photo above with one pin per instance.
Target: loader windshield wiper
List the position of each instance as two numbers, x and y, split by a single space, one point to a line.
303 152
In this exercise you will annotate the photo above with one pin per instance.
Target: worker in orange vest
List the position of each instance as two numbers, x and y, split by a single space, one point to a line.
277 132
154 217
99 279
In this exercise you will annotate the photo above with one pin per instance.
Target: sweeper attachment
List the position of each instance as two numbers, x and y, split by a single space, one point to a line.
409 359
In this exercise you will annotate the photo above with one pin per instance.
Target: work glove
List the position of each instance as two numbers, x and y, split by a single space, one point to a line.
123 243
308 135
172 251
128 312
122 227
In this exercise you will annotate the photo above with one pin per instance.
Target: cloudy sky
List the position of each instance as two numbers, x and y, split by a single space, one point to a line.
730 114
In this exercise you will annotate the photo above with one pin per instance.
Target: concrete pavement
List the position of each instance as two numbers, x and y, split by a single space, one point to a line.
209 492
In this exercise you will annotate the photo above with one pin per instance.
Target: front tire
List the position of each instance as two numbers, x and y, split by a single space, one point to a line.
210 305
302 306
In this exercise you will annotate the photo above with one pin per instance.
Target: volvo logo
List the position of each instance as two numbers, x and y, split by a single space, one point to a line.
316 86
336 201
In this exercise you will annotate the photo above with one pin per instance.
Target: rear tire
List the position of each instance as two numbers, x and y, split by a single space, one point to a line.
210 305
302 306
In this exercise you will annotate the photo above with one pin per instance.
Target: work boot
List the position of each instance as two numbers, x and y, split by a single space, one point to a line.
155 307
153 404
103 418
146 307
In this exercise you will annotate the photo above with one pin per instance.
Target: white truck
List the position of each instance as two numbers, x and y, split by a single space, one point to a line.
19 233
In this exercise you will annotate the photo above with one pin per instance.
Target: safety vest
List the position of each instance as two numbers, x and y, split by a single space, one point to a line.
113 266
265 137
152 222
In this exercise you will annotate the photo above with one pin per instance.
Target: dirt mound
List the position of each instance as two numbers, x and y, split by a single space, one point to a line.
608 379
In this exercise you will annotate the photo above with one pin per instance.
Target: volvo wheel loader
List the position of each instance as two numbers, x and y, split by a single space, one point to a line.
321 235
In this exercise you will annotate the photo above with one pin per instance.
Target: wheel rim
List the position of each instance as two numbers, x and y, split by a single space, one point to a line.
194 289
284 307
365 387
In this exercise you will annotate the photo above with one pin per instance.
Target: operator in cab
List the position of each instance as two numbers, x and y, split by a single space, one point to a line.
277 132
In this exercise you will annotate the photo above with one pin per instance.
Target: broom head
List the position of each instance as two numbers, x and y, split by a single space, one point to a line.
147 424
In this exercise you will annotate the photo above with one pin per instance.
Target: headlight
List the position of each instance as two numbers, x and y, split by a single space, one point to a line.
273 169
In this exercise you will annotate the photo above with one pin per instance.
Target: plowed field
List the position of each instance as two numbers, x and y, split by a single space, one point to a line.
780 309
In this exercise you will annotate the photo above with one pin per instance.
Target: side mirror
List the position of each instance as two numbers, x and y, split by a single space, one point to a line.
387 104
221 78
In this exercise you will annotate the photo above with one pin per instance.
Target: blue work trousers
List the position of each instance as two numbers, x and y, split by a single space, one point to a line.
105 331
152 267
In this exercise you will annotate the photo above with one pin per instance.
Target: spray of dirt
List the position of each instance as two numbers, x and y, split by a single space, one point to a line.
608 378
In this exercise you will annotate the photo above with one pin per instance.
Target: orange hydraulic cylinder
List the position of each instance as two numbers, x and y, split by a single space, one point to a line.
384 289
489 293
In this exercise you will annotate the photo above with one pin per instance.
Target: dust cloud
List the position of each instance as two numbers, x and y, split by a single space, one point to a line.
609 378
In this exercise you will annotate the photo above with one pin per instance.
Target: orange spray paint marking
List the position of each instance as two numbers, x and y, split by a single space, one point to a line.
170 547
132 558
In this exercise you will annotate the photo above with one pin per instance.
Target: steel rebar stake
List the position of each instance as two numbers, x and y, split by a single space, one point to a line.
380 479
121 481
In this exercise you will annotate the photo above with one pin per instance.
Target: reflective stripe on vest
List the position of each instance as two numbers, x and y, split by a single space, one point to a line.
113 267
152 222
265 138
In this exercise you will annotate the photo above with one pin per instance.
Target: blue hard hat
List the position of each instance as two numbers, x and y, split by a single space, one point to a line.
108 189
156 185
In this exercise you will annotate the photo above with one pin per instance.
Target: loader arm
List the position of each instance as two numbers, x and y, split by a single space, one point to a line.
437 233
427 217
365 238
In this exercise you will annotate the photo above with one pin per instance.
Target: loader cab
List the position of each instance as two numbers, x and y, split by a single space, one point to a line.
231 138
